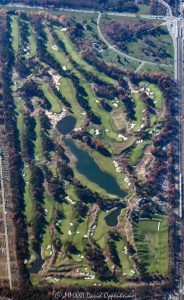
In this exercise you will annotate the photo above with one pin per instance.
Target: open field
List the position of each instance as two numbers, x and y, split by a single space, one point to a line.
151 238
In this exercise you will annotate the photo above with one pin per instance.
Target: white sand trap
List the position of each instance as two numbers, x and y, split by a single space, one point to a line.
158 226
55 47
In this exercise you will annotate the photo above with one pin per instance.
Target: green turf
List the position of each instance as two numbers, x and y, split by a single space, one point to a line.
68 91
76 57
47 240
138 152
56 105
126 263
32 41
38 147
20 121
139 115
28 197
152 245
15 34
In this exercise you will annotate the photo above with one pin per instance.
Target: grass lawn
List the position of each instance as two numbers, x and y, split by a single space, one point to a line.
78 238
161 39
127 264
68 91
15 34
32 41
38 147
144 9
75 56
20 121
152 245
158 68
28 198
157 94
67 210
47 240
101 236
101 231
138 110
53 100
138 152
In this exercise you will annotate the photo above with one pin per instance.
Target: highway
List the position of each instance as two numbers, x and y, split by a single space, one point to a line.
176 29
70 10
5 234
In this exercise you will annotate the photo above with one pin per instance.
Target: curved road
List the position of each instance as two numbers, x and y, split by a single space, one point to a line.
119 52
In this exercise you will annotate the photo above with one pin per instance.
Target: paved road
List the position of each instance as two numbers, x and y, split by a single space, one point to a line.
119 52
133 15
5 233
176 29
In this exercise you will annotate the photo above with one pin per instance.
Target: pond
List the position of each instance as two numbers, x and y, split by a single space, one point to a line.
87 166
112 218
37 265
66 125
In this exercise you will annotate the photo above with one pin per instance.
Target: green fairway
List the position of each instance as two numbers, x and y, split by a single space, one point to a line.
138 152
32 42
56 105
15 34
152 243
76 57
139 111
68 91
38 147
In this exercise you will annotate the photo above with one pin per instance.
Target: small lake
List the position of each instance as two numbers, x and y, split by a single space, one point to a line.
37 265
112 218
66 125
87 166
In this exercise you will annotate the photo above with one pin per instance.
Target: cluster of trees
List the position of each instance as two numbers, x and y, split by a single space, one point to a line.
65 171
92 143
55 185
118 5
97 261
156 8
81 210
114 253
22 66
15 162
82 98
37 181
87 196
28 137
58 94
41 41
122 31
105 90
46 141
129 106
31 89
